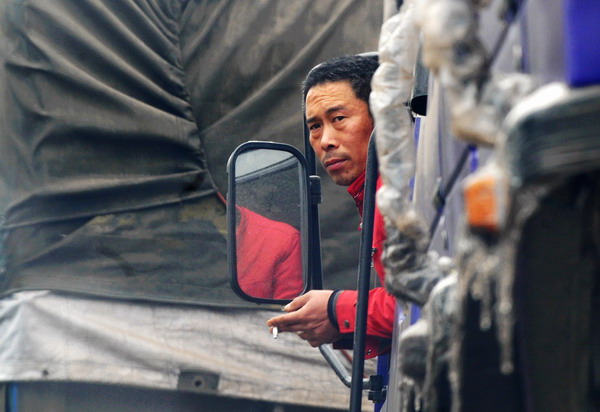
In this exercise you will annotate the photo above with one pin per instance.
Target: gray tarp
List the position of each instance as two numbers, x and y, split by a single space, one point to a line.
116 122
72 339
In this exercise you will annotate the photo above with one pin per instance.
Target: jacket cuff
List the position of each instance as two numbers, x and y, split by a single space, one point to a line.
331 308
345 310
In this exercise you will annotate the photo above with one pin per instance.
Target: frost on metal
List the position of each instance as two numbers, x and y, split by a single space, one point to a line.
412 351
411 272
440 313
487 269
391 89
452 50
478 101
424 348
487 274
485 109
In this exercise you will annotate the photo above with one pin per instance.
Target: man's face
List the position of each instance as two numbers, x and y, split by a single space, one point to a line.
340 126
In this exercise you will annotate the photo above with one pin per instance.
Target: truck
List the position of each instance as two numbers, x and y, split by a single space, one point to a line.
488 144
117 119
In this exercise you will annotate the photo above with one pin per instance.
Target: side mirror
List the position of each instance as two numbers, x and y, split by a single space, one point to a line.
267 219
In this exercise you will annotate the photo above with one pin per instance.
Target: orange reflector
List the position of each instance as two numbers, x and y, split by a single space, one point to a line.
484 203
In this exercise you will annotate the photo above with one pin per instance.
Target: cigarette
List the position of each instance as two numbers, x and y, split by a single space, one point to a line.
275 332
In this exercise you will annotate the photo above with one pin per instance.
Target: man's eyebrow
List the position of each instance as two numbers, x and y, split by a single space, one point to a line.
311 119
327 112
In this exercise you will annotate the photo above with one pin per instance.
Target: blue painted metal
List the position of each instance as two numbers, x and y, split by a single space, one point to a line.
582 42
12 399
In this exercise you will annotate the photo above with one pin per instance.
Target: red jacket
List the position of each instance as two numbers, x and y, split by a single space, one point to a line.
269 257
381 308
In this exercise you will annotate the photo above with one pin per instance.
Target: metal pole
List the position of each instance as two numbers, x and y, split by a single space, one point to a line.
316 269
364 278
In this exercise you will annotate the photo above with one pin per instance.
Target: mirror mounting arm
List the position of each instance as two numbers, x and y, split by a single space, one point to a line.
316 270
338 367
315 190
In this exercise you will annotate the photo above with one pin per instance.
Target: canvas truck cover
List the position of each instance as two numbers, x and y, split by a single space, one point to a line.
116 121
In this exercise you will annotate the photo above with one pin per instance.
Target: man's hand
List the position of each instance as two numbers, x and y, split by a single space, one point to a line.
308 318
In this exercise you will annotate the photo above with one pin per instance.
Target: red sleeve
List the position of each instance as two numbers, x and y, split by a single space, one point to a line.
288 282
380 318
269 257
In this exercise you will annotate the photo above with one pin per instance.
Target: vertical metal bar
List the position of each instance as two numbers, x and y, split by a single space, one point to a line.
364 278
315 266
310 155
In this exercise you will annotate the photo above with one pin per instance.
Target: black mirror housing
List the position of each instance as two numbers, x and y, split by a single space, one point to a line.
268 211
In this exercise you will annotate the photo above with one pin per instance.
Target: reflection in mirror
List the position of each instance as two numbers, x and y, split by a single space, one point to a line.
269 224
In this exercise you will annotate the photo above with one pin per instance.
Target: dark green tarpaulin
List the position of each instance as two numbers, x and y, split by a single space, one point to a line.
116 121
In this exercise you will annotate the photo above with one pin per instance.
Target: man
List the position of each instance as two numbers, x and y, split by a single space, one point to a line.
336 104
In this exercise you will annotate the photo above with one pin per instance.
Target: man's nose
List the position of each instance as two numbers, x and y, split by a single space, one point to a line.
329 139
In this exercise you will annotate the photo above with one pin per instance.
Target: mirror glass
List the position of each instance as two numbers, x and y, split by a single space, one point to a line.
270 222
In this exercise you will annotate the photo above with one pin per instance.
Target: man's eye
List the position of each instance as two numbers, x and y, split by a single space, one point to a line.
314 126
338 118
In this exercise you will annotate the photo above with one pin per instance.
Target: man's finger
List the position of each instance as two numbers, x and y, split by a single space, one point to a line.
287 323
297 303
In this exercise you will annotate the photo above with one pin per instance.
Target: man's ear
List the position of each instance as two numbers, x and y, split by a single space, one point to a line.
372 122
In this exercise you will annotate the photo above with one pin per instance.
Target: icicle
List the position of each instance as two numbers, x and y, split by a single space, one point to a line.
525 203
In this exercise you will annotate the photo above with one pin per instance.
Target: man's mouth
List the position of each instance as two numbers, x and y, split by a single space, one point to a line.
335 164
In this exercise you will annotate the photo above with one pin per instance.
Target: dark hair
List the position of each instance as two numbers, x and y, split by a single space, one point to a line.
356 69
